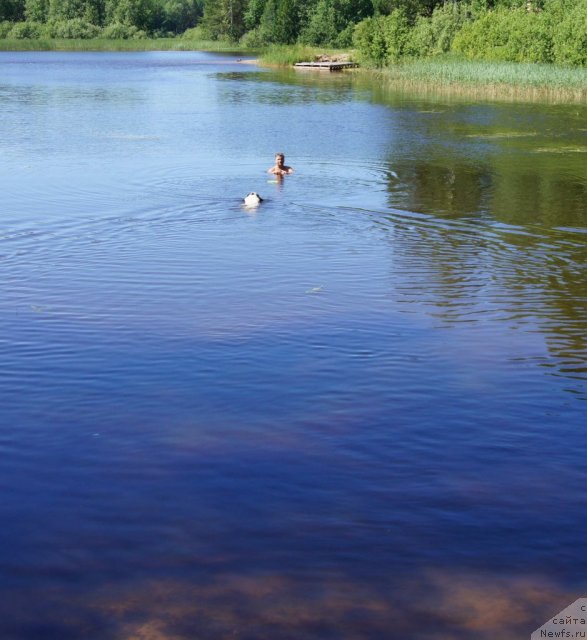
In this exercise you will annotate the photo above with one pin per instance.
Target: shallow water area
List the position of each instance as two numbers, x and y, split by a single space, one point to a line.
356 411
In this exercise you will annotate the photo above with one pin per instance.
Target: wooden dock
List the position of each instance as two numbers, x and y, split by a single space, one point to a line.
329 66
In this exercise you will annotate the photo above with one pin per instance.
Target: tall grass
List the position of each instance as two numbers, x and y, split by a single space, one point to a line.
452 70
506 80
102 44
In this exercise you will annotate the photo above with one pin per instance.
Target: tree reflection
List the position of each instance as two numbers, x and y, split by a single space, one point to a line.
431 187
521 273
510 189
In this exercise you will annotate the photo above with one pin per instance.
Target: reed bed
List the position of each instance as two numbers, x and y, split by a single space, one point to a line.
489 80
454 71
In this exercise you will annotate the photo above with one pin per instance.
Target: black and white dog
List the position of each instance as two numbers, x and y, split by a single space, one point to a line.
252 199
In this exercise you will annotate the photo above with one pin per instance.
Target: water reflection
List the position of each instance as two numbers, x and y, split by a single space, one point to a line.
514 190
441 189
461 271
488 163
267 88
62 97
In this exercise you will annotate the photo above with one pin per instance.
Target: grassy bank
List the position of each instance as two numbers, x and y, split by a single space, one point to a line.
100 44
499 80
448 75
467 72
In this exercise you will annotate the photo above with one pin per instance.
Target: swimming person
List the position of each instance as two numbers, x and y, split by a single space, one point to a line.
280 169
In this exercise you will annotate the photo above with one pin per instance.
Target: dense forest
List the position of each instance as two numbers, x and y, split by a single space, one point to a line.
382 31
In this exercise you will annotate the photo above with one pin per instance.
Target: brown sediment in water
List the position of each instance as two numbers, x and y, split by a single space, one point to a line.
436 604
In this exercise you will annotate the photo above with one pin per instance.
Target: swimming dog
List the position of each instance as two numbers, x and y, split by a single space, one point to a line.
252 199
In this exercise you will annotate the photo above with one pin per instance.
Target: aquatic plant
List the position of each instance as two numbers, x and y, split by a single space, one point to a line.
449 76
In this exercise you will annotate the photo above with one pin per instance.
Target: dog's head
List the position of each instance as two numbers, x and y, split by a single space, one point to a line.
252 199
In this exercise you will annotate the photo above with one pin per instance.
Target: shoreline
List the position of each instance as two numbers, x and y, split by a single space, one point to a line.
444 77
471 81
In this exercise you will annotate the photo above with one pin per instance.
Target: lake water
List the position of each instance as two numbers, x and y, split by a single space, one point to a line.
356 412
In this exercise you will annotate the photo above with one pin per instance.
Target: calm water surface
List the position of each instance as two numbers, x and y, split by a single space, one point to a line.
357 412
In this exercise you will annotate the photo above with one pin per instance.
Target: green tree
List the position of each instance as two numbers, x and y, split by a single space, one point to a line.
412 8
323 25
178 15
369 40
509 35
89 10
12 10
25 30
382 40
117 31
331 22
280 22
435 35
287 23
254 13
75 28
136 13
396 30
224 19
37 10
570 36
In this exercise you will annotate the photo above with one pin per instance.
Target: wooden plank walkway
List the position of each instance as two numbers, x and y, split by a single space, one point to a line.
330 66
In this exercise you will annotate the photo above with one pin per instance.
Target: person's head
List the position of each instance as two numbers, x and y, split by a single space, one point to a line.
279 159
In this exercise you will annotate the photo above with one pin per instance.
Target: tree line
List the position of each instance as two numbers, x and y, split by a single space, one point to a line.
382 31
97 18
539 31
